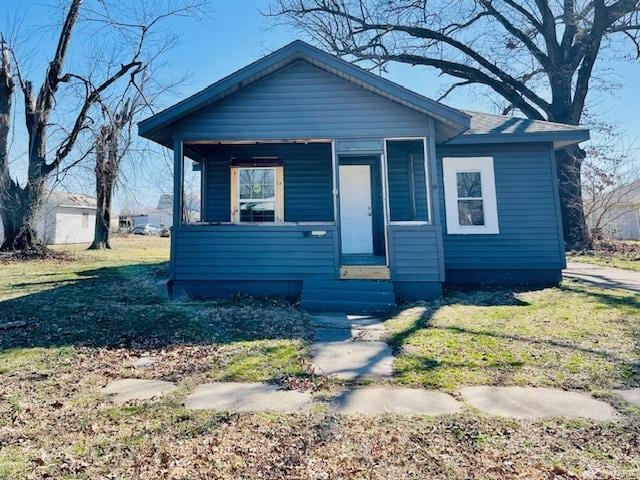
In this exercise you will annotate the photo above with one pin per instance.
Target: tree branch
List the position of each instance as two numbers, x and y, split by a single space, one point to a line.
133 68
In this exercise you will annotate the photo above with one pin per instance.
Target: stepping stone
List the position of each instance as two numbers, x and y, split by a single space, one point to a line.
397 400
145 362
247 397
352 360
127 389
530 402
632 396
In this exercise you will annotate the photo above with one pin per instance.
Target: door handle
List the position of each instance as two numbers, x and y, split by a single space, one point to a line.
369 211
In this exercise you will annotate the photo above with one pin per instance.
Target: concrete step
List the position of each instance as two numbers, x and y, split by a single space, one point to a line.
349 295
349 307
341 285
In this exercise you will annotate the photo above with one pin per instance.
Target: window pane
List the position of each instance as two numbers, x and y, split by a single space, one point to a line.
245 190
257 183
469 184
257 212
470 212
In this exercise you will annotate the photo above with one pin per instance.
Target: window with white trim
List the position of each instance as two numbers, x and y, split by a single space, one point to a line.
470 195
257 195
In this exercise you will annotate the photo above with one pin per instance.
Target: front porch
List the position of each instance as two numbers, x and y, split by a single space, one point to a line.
277 214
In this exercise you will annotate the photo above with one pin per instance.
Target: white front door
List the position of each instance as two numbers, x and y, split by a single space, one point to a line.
356 226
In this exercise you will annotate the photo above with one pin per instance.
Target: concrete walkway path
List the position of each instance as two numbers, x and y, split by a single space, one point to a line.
378 400
349 347
247 397
531 402
604 276
128 389
632 396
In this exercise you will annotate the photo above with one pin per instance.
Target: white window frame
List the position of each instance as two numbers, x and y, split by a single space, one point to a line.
451 166
278 194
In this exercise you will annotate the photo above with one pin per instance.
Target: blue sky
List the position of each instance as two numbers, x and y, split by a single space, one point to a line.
237 34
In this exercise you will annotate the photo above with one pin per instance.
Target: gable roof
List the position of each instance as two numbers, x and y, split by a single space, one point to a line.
455 127
490 128
58 198
453 121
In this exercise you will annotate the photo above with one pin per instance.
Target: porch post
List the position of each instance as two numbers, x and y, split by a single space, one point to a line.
385 200
334 180
178 177
431 175
178 162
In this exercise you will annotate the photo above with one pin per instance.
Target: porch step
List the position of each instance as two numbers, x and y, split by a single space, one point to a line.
360 297
364 272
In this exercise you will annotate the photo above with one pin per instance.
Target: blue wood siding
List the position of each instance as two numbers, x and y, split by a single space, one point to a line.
415 253
303 101
307 180
407 186
237 252
530 237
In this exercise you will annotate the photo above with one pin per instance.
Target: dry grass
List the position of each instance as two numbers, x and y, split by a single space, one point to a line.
611 253
79 324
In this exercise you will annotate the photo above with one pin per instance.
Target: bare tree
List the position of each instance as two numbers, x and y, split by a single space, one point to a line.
611 187
537 56
20 203
109 153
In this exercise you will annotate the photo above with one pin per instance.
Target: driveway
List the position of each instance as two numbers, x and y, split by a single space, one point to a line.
604 276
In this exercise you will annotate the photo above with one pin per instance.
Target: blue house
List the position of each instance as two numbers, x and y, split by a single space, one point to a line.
322 179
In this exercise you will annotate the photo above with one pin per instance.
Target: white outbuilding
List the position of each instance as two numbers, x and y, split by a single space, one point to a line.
65 218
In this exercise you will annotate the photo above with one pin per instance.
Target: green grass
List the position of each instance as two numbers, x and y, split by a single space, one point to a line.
606 260
573 337
109 300
260 361
81 323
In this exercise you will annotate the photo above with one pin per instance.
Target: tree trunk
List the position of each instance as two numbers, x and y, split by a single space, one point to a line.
19 218
103 191
569 169
569 163
103 219
107 160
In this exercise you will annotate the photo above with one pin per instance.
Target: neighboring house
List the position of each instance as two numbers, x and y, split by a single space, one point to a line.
316 172
65 218
163 213
155 217
616 213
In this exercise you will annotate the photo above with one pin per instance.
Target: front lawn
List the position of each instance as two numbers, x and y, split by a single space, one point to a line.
69 326
572 337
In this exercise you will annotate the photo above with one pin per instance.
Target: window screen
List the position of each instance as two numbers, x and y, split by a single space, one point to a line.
406 179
